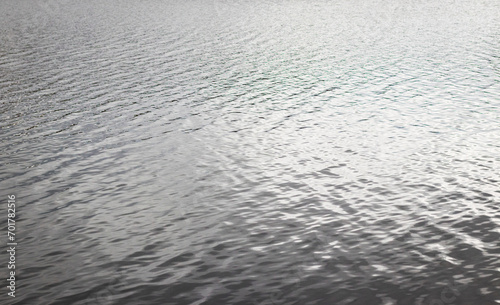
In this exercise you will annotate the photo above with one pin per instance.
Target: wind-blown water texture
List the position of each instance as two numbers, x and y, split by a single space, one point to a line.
252 152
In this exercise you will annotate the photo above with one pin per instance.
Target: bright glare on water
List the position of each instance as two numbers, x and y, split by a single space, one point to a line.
252 152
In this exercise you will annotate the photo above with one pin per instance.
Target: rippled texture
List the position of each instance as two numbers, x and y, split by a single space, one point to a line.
253 152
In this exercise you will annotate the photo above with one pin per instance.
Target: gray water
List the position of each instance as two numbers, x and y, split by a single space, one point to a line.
252 152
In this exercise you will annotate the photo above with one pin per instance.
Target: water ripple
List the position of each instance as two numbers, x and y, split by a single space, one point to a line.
266 152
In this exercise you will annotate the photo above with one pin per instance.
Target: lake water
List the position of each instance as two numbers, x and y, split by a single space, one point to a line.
252 152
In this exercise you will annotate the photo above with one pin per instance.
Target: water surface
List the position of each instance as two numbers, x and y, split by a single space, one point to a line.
253 152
